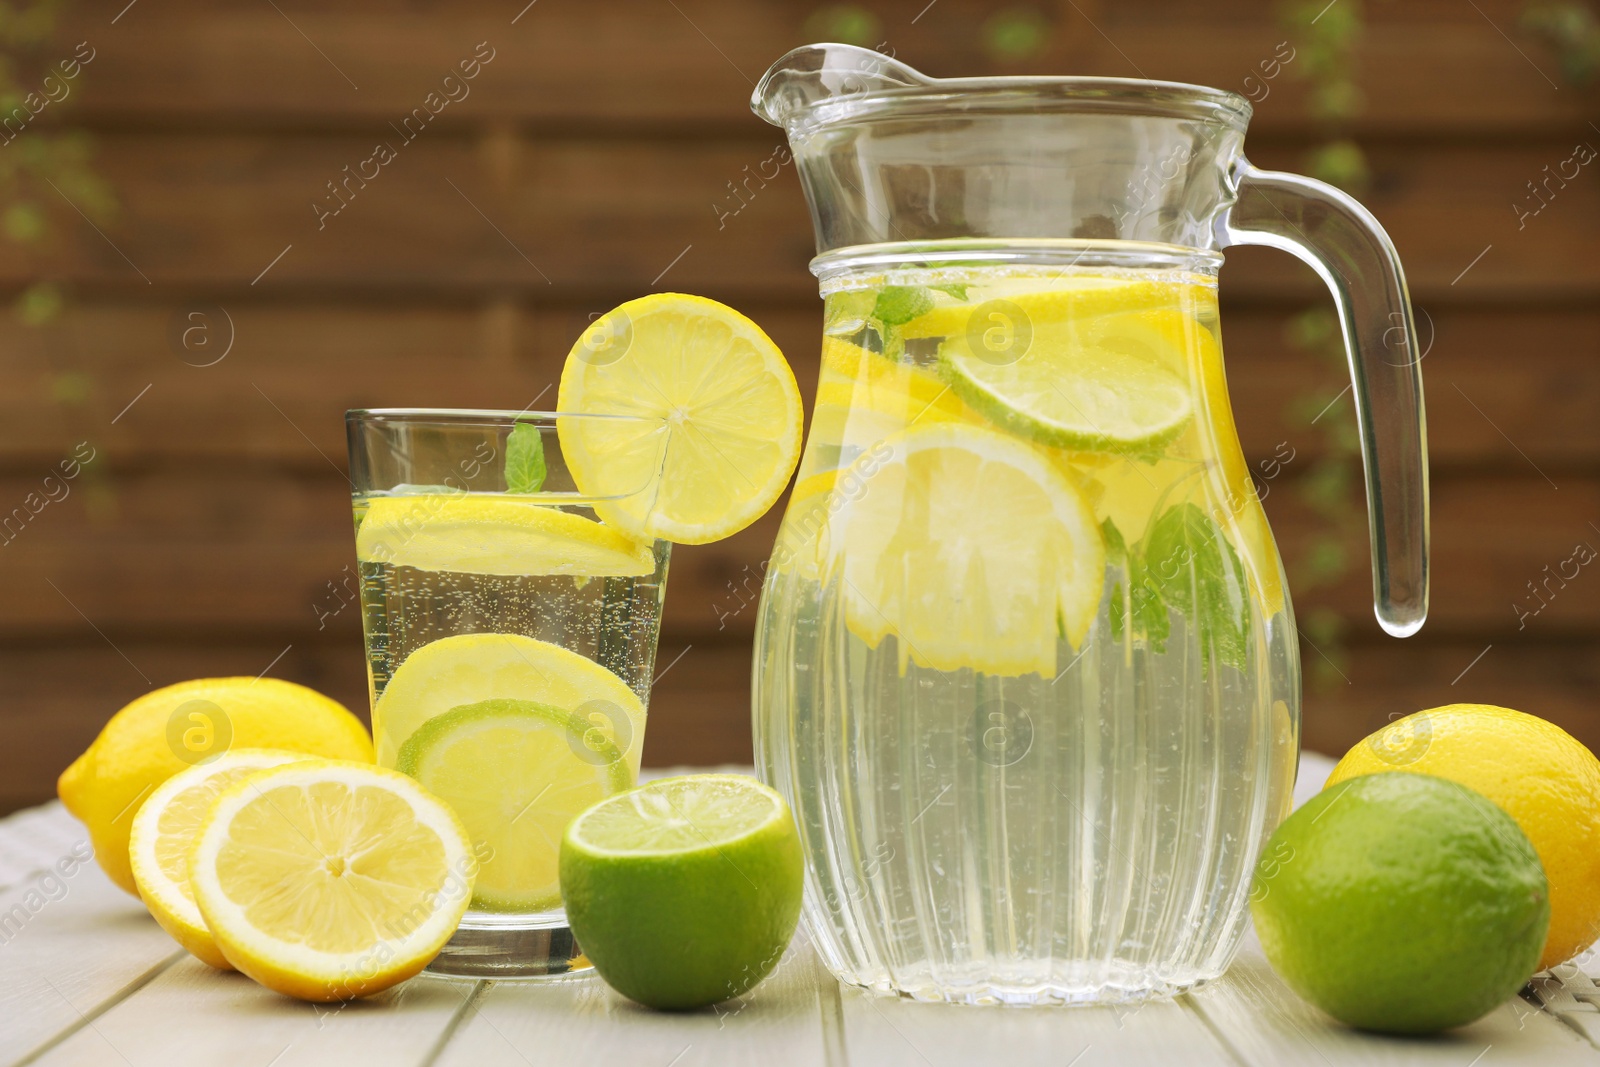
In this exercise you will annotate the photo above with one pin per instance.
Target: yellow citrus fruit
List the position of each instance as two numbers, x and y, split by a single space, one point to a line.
972 549
714 424
326 879
179 726
470 668
163 837
495 535
1541 775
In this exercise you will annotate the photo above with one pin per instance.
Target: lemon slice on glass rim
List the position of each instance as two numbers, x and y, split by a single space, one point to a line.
709 380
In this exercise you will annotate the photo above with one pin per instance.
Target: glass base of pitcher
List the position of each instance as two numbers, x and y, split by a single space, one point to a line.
488 945
1131 987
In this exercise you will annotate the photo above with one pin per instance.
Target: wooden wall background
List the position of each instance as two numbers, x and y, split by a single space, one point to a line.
592 155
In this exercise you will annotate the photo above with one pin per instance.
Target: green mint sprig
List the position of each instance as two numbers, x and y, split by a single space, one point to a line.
1186 565
525 468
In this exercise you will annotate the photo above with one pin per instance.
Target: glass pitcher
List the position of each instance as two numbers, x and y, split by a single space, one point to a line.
1026 667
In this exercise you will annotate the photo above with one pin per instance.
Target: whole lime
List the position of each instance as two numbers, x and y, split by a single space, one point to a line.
1402 903
1541 775
685 891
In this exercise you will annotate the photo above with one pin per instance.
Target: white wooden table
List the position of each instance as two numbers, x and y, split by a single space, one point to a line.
86 977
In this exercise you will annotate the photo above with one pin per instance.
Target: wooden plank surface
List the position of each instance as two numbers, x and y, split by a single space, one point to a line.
883 1030
90 979
581 1020
567 217
1428 67
71 943
1266 1025
193 1014
1493 534
295 366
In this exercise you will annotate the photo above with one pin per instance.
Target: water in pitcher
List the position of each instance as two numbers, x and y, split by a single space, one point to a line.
1025 666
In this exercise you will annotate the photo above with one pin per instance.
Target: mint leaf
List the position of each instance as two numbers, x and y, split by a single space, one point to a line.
1138 601
1193 568
525 468
899 304
957 291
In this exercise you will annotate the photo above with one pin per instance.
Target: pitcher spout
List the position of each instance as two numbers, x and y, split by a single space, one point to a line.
816 72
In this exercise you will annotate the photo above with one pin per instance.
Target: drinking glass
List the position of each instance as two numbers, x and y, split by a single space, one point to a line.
494 600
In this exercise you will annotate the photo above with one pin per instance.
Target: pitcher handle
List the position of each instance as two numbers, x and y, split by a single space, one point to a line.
1347 248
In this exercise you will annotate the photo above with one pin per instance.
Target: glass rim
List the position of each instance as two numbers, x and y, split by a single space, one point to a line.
484 416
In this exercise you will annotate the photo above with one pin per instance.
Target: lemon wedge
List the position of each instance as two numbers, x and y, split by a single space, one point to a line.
971 549
470 668
162 836
716 418
471 534
327 880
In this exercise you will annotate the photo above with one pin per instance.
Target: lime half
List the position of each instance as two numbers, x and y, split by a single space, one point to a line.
515 772
495 535
1114 383
685 891
470 668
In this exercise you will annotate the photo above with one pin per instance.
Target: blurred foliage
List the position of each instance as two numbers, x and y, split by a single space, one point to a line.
1325 39
844 23
1573 31
40 155
1016 35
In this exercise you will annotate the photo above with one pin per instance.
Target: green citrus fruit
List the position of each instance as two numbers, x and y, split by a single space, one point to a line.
685 891
1402 903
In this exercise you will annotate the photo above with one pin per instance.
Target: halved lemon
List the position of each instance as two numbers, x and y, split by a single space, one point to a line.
708 379
516 772
971 549
162 836
469 668
327 880
495 535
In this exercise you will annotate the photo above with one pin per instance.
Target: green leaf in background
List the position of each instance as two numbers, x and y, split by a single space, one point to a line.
1196 571
525 469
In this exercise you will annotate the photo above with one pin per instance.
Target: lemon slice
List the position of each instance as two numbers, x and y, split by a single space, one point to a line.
326 880
495 535
1116 384
1042 303
970 548
714 384
469 668
515 772
162 836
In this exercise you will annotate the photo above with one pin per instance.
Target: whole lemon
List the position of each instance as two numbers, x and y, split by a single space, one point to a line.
167 730
1541 775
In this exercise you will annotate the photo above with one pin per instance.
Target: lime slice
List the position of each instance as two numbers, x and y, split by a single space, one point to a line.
470 668
684 892
1056 301
495 535
515 772
1116 383
713 384
972 549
